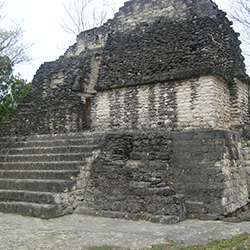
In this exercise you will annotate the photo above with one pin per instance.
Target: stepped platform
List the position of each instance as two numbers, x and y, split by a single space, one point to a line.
36 171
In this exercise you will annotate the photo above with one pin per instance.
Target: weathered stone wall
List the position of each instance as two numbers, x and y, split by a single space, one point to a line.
162 46
172 69
240 103
130 176
56 102
54 120
145 174
207 167
58 111
203 102
166 40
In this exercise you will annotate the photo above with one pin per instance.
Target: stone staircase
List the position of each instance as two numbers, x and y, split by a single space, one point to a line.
36 170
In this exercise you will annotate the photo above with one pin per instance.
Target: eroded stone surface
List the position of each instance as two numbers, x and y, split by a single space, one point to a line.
164 83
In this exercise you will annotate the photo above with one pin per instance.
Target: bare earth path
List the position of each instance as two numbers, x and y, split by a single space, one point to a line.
78 231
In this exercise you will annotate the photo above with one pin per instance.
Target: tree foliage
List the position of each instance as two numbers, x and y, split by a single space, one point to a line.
12 88
12 91
11 49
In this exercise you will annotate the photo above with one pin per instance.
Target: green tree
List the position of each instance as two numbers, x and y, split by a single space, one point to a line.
12 91
12 88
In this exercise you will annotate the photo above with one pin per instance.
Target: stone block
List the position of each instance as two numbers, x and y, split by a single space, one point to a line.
169 220
155 218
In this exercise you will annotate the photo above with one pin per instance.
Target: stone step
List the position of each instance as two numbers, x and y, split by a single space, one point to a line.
47 143
44 211
52 140
34 170
57 165
48 150
81 135
44 157
39 174
54 186
27 196
64 136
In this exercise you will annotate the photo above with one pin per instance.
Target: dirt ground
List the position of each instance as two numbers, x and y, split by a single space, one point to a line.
79 231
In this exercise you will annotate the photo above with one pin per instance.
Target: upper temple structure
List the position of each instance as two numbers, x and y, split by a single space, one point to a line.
145 117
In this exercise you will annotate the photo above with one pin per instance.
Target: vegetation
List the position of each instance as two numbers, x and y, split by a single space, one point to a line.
12 91
12 51
12 88
85 14
240 13
236 243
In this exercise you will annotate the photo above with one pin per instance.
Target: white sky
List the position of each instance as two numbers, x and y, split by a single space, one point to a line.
40 20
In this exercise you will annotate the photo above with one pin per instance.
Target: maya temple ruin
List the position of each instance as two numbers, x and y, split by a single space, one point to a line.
145 117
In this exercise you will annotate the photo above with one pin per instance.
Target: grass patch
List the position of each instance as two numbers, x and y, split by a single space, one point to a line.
236 243
240 242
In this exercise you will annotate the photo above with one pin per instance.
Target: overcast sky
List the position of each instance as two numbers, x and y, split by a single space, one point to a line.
40 20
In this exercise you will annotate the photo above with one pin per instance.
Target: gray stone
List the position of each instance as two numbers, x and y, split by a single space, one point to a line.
169 219
155 218
146 114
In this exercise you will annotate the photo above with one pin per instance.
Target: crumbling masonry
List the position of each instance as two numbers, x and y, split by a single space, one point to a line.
145 117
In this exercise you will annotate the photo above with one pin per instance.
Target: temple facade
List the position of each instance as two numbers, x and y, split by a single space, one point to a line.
153 110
